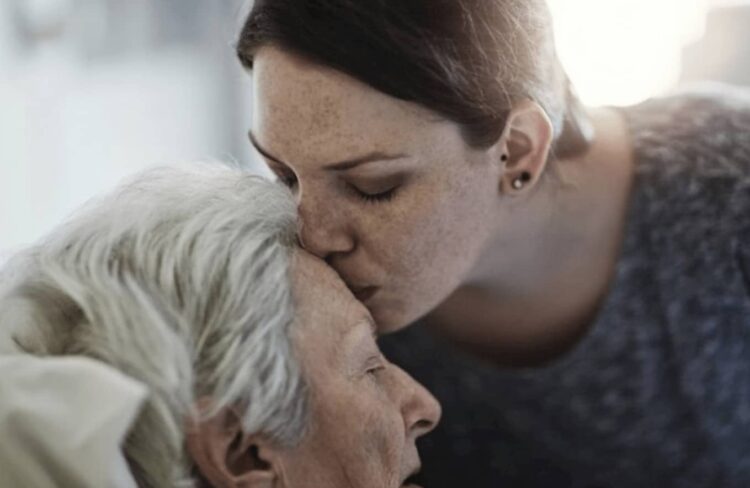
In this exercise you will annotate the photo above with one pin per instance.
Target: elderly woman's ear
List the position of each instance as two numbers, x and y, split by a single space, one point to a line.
227 457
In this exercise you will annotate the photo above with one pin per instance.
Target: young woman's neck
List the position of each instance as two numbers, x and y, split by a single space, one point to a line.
540 280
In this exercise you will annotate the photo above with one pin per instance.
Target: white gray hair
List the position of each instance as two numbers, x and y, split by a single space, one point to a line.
180 279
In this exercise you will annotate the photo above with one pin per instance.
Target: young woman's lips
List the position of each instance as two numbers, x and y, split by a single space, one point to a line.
364 293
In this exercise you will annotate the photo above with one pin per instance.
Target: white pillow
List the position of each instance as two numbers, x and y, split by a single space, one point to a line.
63 420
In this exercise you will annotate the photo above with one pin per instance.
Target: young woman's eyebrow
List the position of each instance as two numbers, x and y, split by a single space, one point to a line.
340 166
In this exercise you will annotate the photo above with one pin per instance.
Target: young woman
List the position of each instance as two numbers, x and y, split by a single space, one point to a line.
583 274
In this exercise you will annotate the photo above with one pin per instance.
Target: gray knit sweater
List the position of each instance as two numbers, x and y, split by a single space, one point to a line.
657 394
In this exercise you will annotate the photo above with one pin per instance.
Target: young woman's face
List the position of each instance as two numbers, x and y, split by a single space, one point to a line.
389 194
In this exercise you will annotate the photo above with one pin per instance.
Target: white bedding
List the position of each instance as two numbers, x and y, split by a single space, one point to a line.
62 421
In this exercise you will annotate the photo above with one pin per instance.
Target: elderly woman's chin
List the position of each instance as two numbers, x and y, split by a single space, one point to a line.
365 413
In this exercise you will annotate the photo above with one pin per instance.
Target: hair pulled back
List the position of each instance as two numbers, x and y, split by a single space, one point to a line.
468 60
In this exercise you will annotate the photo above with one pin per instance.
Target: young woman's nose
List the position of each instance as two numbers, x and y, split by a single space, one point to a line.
421 410
322 231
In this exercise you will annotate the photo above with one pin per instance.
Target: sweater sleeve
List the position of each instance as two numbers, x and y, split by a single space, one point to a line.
743 257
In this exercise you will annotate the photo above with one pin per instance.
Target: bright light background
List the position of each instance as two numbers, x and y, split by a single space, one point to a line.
623 51
94 90
105 88
620 52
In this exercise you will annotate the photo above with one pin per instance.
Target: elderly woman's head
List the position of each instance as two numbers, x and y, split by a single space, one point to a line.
262 367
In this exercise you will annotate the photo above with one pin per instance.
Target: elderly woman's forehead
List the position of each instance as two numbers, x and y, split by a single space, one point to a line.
306 266
324 300
316 283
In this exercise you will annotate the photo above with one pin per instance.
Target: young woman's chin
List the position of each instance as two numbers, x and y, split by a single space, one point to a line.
392 314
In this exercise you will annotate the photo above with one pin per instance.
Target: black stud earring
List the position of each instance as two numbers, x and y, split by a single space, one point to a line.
519 182
504 157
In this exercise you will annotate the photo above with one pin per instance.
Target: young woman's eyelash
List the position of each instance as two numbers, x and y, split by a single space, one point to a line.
385 196
287 179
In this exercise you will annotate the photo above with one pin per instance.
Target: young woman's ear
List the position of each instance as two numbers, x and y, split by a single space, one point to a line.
227 457
524 147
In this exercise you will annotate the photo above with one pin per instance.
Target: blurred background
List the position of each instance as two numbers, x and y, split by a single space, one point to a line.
93 90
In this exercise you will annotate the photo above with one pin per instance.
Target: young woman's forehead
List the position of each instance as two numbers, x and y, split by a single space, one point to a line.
291 86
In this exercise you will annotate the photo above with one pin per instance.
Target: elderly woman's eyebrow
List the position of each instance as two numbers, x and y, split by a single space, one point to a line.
355 329
365 319
354 343
373 326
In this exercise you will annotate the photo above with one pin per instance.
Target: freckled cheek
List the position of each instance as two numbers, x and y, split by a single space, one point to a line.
436 238
424 234
413 223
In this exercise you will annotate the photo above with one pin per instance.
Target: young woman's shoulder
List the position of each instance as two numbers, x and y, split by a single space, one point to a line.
694 145
692 159
708 100
702 130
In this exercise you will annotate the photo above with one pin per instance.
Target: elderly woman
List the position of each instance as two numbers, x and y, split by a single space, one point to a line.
261 368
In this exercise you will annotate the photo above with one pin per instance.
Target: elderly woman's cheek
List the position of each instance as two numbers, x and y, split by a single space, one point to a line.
385 448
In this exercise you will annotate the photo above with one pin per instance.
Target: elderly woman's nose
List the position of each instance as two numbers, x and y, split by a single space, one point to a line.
322 231
421 410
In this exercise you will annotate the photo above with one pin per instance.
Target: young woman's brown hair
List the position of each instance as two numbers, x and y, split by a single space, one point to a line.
468 60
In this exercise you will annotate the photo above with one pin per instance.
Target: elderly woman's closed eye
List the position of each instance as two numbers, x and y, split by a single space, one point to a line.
262 368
